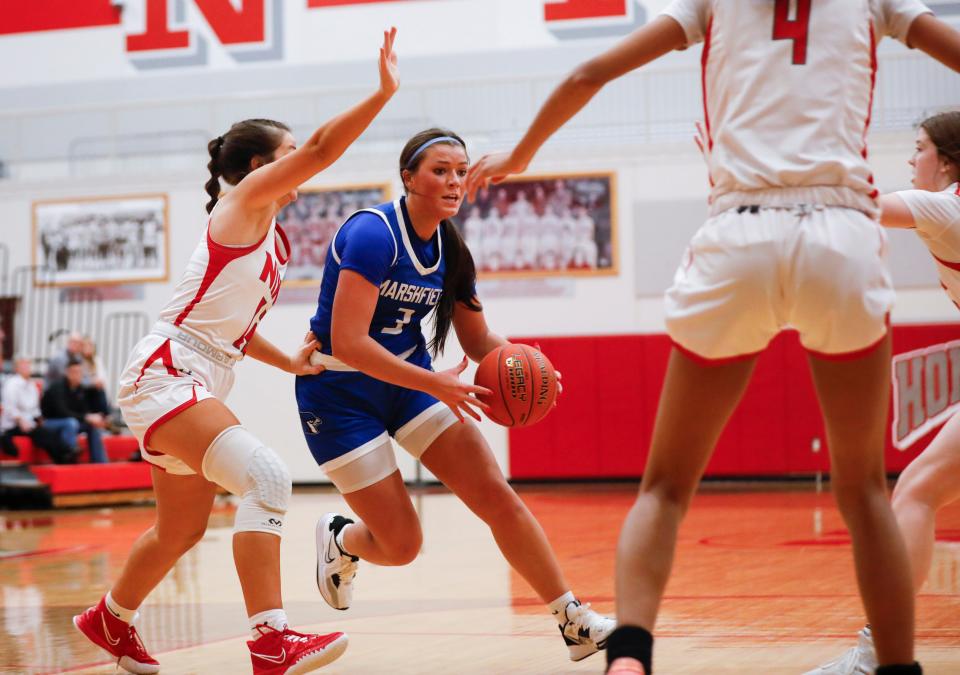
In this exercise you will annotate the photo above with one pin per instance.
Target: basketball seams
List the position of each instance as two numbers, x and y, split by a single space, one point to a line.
529 361
525 371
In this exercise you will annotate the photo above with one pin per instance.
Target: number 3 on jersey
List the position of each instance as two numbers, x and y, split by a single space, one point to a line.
407 315
785 28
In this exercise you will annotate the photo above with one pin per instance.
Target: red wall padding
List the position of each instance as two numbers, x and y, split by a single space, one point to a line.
611 385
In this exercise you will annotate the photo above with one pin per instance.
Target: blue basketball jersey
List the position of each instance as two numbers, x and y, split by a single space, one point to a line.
380 244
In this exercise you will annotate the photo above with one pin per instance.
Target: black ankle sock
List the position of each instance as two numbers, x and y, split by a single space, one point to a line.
632 642
913 669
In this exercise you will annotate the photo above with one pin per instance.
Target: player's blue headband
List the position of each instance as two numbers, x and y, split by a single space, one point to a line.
438 139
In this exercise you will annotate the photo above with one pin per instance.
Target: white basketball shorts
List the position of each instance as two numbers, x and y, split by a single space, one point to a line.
162 379
748 273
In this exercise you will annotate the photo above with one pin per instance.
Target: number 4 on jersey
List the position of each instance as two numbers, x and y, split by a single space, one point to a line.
785 28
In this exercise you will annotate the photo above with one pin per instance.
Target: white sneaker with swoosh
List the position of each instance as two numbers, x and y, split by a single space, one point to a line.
335 569
288 652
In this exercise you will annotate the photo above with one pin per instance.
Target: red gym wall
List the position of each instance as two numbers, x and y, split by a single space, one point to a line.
611 384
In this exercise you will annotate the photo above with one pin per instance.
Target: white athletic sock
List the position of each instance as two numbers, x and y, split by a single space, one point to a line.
122 613
560 604
275 618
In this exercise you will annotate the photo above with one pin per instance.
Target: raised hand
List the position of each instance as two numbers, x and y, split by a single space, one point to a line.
458 396
491 168
389 72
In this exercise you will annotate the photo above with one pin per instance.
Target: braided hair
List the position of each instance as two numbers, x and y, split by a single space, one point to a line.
230 154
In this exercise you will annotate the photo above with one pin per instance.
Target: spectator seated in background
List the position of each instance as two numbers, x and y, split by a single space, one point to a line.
65 406
57 364
93 377
21 417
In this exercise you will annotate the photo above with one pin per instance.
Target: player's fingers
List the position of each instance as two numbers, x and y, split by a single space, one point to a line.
559 375
471 187
462 365
470 411
478 403
476 389
456 411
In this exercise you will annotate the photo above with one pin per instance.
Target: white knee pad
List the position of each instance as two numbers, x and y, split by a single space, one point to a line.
240 463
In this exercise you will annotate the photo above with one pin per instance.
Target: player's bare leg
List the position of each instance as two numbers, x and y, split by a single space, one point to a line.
853 396
679 452
461 459
256 554
183 510
388 530
930 482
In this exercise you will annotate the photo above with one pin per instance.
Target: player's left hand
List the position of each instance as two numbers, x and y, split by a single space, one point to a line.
389 72
300 361
491 168
559 375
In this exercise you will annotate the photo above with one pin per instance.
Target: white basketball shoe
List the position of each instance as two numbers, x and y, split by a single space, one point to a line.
335 569
859 660
584 631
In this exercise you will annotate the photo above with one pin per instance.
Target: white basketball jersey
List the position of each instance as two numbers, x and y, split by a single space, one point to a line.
937 218
787 94
226 290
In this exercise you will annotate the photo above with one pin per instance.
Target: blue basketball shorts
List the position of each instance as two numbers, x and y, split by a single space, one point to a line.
345 414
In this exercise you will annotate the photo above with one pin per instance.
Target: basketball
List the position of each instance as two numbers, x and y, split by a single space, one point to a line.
523 382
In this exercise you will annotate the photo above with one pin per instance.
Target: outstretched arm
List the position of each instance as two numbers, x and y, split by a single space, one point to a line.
936 38
324 147
297 363
645 44
894 212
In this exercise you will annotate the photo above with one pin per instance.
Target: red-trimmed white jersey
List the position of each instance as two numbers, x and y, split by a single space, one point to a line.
226 290
937 219
787 93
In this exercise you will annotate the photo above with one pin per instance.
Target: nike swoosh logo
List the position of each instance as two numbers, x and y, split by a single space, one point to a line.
280 658
106 631
326 554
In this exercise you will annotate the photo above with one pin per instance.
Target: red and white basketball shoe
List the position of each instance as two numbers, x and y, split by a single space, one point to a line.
288 652
626 666
116 637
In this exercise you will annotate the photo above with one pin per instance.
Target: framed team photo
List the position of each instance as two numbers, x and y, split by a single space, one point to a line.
95 241
555 225
311 221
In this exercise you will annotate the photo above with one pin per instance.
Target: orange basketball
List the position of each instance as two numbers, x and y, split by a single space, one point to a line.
523 382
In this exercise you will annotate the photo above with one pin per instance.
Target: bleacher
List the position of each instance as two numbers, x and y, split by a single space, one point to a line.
81 484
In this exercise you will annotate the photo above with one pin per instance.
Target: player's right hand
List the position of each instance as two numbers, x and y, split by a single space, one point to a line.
458 396
491 168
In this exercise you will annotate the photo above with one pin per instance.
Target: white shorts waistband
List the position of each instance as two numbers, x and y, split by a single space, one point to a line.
191 341
331 362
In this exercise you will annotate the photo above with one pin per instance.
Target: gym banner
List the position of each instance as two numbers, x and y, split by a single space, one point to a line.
66 40
926 391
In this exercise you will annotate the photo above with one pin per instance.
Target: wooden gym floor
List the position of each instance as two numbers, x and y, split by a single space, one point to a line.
763 584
